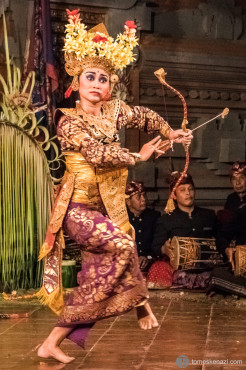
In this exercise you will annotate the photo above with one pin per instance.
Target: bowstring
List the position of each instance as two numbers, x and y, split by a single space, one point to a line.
170 158
164 103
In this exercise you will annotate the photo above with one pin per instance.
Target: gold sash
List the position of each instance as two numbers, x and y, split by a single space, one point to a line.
112 185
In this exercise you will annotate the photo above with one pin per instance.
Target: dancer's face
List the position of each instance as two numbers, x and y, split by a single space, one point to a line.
239 182
94 85
185 195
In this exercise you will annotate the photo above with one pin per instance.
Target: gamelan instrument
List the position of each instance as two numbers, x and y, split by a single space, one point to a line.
240 260
187 253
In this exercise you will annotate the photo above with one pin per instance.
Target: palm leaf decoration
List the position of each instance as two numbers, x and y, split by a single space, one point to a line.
26 184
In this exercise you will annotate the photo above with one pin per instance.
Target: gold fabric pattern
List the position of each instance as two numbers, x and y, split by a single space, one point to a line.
62 202
142 118
87 224
165 131
85 183
51 292
113 306
75 134
112 185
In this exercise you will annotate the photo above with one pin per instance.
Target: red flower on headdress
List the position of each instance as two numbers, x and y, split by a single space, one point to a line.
99 38
72 12
130 24
73 15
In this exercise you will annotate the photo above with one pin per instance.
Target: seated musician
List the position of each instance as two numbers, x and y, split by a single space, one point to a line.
234 201
143 219
223 279
187 220
238 180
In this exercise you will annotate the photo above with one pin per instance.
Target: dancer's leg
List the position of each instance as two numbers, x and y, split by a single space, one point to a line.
50 347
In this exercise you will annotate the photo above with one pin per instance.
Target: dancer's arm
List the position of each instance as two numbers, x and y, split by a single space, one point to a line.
77 137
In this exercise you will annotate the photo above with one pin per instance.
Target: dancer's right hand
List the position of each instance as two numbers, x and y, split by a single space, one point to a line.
148 149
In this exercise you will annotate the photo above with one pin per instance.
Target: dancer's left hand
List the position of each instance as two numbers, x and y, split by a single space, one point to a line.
179 136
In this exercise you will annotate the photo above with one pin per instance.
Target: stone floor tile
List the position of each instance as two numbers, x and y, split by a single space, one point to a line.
199 330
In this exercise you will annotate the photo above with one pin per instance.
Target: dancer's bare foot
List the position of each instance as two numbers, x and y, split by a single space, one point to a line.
46 351
146 318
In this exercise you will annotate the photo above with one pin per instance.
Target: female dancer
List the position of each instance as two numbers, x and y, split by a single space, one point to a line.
90 207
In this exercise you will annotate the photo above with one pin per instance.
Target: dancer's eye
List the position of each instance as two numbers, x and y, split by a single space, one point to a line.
103 80
90 77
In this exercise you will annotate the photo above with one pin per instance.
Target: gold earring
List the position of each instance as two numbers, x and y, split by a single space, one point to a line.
114 78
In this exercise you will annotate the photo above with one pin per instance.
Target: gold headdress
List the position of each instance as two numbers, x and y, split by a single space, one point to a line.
95 48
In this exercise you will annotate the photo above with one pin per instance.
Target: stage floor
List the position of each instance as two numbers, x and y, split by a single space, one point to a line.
200 328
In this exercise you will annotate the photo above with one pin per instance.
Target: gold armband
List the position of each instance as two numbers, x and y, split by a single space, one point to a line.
165 131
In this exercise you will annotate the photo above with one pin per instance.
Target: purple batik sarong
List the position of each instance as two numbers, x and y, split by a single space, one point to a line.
110 282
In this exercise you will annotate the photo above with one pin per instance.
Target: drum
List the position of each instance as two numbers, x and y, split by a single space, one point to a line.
69 274
240 260
193 253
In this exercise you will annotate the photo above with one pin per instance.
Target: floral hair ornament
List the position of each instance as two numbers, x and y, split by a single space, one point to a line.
173 178
95 48
134 187
238 168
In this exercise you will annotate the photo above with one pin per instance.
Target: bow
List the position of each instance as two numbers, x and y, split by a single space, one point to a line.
160 74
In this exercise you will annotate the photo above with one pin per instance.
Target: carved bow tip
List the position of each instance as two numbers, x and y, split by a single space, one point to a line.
160 73
225 112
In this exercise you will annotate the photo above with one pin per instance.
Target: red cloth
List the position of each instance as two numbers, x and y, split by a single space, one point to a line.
160 275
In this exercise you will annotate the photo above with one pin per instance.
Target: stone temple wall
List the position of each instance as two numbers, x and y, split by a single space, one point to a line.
202 47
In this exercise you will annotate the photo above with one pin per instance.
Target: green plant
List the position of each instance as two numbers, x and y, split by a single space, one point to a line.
26 184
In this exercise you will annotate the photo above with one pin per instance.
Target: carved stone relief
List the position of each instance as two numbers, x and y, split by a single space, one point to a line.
220 19
114 4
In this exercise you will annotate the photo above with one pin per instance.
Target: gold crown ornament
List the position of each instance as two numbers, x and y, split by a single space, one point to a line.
95 48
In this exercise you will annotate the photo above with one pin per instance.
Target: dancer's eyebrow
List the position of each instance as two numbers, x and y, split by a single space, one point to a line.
101 74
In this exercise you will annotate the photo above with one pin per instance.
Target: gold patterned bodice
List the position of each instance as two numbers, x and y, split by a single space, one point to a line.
85 185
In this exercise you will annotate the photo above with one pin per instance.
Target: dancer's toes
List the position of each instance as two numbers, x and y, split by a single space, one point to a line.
154 321
142 324
147 322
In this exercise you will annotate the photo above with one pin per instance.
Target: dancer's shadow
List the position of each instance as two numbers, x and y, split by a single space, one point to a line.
45 366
